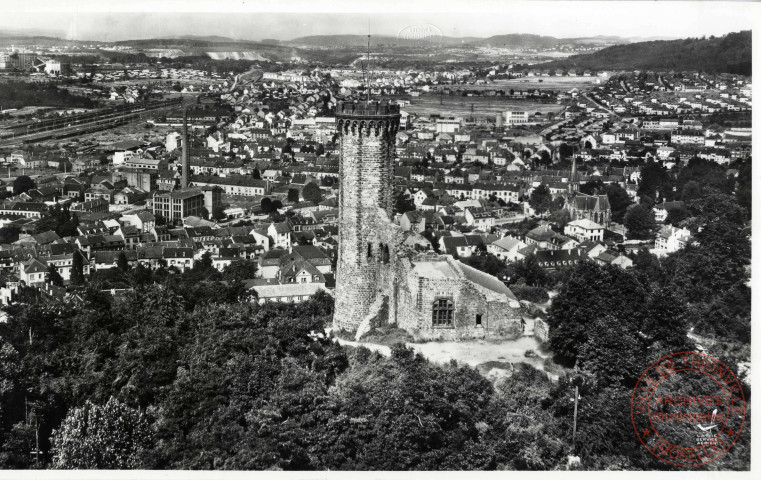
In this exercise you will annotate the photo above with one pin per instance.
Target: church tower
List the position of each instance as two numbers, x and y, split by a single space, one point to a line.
366 169
573 184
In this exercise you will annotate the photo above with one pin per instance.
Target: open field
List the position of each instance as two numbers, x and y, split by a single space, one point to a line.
460 106
549 83
560 84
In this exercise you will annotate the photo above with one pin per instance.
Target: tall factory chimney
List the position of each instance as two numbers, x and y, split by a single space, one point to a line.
185 162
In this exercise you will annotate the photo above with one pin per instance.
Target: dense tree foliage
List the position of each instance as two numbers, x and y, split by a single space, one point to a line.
9 234
639 222
699 174
182 374
730 53
23 94
403 204
541 199
655 182
111 436
711 273
151 381
312 193
266 205
22 184
77 269
619 202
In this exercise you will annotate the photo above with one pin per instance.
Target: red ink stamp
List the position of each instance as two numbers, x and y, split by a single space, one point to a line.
688 409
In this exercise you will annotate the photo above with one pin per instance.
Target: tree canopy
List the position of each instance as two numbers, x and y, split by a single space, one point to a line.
22 184
639 222
312 193
541 199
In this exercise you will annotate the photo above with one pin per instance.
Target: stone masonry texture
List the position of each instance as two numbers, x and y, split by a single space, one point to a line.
375 268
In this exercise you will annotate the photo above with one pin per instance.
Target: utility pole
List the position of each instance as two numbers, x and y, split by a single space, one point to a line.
367 85
575 412
36 442
576 382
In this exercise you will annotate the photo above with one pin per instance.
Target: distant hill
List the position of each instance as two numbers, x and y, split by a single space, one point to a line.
506 41
361 40
7 39
206 38
516 40
229 48
730 53
188 41
336 40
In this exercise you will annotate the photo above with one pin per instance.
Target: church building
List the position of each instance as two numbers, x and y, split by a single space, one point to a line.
582 206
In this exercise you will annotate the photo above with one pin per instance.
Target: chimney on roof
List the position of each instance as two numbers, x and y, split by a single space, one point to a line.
185 163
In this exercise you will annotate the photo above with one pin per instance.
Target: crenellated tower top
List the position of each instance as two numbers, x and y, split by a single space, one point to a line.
375 117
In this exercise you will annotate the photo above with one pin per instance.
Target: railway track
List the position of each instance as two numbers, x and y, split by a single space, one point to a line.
81 126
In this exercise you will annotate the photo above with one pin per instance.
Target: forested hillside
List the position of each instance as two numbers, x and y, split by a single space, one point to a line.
731 53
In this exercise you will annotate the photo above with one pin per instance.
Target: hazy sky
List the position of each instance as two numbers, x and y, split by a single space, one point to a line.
120 20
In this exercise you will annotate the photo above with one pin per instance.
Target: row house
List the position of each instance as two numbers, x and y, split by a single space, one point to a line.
687 137
547 239
462 245
556 259
180 257
506 193
24 209
480 218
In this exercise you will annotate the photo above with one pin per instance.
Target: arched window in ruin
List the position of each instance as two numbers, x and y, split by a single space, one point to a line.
369 250
386 256
443 313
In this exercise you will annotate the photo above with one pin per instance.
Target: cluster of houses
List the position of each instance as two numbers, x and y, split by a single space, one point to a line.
276 138
298 250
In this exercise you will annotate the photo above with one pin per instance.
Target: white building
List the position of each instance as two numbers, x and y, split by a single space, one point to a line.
584 229
173 141
515 117
448 125
506 249
53 67
670 239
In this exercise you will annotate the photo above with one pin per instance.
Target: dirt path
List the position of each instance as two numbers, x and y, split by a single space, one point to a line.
498 355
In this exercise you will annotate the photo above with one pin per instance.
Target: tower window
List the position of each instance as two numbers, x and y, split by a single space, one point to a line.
385 253
369 250
478 320
443 313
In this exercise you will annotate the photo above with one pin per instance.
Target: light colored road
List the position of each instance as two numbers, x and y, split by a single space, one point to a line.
474 352
610 112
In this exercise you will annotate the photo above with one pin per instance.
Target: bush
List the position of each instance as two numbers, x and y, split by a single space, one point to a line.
532 294
112 436
388 335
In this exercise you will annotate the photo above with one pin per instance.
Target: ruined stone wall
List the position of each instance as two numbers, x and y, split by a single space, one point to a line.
415 297
541 330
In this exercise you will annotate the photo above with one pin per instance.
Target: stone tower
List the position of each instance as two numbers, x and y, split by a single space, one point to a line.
368 137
